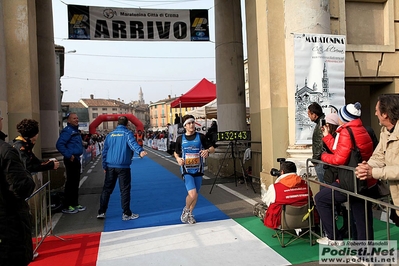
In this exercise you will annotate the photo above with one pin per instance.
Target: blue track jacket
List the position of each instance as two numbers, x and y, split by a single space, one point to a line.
70 142
119 147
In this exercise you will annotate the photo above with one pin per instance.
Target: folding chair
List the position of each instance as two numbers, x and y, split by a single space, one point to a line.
291 219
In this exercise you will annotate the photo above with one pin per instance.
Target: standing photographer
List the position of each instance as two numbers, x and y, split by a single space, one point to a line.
315 114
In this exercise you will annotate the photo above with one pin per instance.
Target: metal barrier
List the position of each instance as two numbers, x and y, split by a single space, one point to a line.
40 204
348 194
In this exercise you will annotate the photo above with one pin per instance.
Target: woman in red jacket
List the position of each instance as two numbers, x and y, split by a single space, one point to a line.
340 147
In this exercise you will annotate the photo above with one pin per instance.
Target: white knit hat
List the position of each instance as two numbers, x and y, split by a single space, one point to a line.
332 119
350 112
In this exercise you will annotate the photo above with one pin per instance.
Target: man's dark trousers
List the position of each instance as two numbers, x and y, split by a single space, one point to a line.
72 182
111 176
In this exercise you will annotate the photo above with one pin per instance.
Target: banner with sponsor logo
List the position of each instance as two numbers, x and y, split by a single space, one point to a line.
319 77
127 24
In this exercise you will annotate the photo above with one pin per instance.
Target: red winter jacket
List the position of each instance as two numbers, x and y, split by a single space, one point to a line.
342 149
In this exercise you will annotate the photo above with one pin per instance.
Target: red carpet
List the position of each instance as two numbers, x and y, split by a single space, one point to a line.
75 250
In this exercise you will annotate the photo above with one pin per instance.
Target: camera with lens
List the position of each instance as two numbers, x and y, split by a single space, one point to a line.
275 171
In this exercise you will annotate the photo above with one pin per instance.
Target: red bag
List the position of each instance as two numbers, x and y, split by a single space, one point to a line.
273 216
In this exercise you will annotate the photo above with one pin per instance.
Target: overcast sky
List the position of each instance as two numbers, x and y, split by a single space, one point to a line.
117 69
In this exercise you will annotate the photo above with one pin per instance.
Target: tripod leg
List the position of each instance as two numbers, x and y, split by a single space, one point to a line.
220 168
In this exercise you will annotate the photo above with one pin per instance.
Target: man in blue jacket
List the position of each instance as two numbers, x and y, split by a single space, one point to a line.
118 151
70 145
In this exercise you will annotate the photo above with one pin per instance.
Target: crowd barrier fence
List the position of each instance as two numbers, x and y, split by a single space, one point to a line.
40 206
380 202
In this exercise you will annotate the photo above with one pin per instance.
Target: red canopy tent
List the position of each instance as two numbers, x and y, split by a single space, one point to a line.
199 95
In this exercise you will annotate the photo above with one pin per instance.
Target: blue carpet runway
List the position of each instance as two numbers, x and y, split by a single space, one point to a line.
158 237
159 197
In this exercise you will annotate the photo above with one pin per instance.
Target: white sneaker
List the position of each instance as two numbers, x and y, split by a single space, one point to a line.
131 217
328 242
101 216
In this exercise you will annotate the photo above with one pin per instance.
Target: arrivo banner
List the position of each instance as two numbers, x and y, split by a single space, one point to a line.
128 24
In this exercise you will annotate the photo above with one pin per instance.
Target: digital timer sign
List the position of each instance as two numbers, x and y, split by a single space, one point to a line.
233 135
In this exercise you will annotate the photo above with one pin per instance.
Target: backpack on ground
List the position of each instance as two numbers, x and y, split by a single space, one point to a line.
260 210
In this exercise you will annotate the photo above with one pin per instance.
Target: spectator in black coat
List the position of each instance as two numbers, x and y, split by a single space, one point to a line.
24 143
177 119
16 184
211 135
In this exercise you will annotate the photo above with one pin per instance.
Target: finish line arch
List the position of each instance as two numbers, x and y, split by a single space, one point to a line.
114 117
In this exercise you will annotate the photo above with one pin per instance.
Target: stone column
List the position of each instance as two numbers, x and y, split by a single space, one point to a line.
21 62
267 82
230 83
270 27
49 99
305 16
20 38
3 73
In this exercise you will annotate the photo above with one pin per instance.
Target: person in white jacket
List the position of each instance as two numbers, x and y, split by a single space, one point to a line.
384 162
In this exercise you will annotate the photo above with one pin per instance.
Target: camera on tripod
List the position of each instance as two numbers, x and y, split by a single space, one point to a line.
276 172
